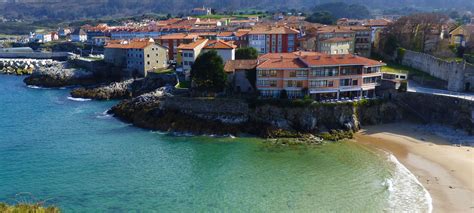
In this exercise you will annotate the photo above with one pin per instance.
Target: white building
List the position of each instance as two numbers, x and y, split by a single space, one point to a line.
79 35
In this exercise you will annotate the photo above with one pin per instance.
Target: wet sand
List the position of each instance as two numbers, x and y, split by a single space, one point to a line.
446 171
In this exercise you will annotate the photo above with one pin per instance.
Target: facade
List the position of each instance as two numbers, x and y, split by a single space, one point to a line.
363 40
319 75
462 36
201 11
43 37
137 57
79 35
336 46
190 52
271 39
334 40
172 41
100 40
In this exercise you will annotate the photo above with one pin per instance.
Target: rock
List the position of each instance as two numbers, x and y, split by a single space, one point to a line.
59 75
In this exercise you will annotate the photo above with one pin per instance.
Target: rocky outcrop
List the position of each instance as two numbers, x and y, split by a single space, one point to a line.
23 66
236 116
60 75
125 89
116 90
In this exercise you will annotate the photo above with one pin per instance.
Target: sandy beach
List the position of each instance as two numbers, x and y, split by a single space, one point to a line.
445 170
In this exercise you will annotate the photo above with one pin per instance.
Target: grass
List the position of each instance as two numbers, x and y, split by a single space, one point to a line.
401 69
183 84
455 59
27 208
163 71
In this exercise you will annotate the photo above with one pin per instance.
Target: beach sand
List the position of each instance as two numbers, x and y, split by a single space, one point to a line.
446 171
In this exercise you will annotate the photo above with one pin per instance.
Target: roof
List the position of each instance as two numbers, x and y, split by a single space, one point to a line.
273 30
192 45
219 44
334 29
134 44
79 31
177 36
225 34
378 22
308 59
336 39
469 28
233 65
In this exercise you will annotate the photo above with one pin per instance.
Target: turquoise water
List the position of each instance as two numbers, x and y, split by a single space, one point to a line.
72 155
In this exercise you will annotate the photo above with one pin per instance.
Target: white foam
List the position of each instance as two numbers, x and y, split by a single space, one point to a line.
406 193
79 99
104 115
35 87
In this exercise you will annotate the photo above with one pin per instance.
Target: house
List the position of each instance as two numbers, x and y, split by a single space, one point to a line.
190 52
273 39
136 57
237 74
100 40
172 41
42 37
226 50
64 32
335 40
462 36
363 40
54 36
79 35
201 11
319 75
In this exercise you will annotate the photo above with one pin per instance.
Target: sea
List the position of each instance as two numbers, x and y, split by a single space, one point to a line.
66 152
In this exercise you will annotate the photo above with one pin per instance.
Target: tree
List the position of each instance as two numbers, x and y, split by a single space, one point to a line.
246 53
322 17
207 72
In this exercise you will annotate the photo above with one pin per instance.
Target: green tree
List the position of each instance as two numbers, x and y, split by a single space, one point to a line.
390 45
246 53
207 72
322 17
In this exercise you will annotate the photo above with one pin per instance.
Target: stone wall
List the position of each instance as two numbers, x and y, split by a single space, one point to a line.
451 111
37 55
458 75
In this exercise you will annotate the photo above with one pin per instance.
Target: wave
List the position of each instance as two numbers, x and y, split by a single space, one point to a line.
406 193
104 115
79 99
35 87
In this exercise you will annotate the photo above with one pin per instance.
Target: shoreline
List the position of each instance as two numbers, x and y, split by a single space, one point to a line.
446 171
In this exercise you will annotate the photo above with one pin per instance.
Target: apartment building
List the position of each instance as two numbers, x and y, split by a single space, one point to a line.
172 41
271 39
190 52
319 75
136 57
363 40
335 40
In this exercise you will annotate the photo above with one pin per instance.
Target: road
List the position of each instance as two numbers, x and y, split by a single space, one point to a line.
414 87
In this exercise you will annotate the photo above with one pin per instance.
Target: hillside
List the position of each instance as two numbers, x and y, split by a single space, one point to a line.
69 9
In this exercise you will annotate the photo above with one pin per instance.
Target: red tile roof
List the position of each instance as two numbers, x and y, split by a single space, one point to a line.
178 36
273 30
219 44
192 45
233 65
336 39
307 59
117 44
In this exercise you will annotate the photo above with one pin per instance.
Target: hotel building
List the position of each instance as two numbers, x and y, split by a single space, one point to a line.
322 76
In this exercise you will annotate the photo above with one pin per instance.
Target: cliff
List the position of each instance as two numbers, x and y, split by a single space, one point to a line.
238 116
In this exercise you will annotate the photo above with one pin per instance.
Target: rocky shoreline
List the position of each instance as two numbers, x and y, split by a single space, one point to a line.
60 75
161 110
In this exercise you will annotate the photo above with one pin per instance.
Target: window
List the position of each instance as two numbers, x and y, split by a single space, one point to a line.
291 83
148 55
148 62
267 83
267 73
301 73
355 83
371 80
345 82
324 72
321 84
293 74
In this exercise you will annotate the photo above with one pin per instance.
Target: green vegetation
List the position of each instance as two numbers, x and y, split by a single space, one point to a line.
246 53
336 135
400 54
27 208
183 85
397 68
208 74
308 102
329 13
163 71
